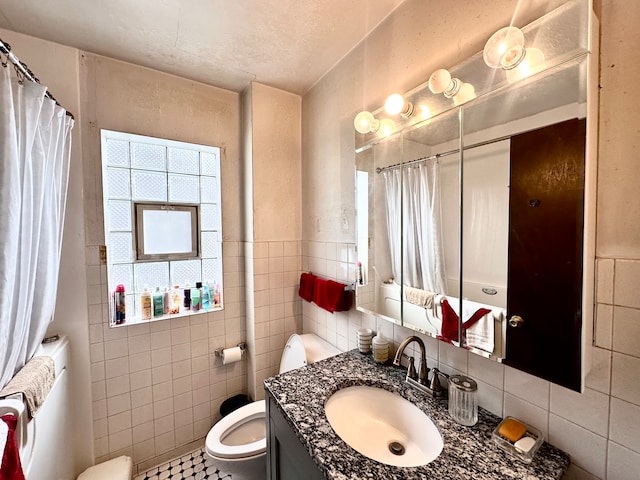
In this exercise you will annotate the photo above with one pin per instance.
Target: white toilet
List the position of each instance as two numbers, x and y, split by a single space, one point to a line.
237 444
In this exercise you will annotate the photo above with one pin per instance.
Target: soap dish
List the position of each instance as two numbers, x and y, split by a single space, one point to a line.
525 447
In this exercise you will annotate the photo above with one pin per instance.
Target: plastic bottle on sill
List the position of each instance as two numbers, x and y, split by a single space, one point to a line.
206 298
187 297
176 300
216 296
119 304
158 303
166 301
196 298
145 304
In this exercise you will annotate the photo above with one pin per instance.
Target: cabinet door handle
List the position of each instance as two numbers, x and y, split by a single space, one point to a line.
516 321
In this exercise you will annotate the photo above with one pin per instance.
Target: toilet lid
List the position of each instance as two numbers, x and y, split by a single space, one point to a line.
215 444
294 355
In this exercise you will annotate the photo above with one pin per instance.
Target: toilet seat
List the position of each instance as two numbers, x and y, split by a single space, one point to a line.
235 419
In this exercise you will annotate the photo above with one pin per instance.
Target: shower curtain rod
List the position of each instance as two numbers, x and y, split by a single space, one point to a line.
443 154
21 68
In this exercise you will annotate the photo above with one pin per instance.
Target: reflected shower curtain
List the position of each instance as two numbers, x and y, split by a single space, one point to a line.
35 143
413 194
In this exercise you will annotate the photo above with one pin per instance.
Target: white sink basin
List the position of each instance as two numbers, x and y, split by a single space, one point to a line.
377 423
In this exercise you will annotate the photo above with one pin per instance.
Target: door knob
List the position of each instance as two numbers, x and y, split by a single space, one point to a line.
516 321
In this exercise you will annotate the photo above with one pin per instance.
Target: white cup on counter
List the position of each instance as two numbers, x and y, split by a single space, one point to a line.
364 336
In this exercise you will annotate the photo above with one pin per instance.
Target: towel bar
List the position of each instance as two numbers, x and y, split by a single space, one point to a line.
348 286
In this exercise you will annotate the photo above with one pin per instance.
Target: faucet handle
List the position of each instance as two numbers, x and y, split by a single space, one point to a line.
411 371
435 385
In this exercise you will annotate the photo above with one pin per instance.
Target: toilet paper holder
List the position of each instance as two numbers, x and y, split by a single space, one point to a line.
218 351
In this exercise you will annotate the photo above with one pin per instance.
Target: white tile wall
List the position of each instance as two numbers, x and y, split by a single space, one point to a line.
599 428
157 387
275 270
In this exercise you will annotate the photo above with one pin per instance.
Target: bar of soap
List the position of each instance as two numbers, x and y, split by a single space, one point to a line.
512 429
524 444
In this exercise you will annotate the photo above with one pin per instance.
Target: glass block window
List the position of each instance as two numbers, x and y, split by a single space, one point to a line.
144 170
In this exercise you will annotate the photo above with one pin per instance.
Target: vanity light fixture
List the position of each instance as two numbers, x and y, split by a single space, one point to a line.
396 104
505 48
423 112
440 81
532 63
467 92
365 122
387 127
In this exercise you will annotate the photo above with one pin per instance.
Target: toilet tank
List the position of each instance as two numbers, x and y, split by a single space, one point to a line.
316 348
301 350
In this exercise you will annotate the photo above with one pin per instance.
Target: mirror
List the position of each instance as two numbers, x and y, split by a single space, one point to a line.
437 194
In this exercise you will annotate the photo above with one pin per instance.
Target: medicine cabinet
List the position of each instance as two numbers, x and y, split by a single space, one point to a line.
486 200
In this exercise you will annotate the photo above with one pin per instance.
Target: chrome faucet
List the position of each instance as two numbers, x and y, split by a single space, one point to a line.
420 380
423 371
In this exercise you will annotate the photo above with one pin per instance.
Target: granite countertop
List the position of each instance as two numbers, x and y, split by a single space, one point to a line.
469 452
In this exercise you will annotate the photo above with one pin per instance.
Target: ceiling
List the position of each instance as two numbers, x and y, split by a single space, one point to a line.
287 44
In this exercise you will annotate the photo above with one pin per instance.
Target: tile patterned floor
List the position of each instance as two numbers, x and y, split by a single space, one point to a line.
192 466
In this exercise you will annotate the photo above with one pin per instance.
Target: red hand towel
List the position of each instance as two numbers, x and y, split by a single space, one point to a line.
450 318
319 291
450 322
11 466
330 295
306 286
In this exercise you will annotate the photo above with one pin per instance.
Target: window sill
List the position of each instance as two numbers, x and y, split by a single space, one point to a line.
138 321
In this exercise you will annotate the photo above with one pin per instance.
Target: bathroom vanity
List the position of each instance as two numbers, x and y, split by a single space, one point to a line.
302 444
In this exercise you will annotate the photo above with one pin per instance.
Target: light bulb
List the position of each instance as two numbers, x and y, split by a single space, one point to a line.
365 122
387 127
533 62
396 104
505 48
440 81
423 112
467 92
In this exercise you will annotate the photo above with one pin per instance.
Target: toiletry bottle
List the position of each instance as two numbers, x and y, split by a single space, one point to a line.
187 297
216 296
176 300
206 299
380 348
119 303
166 301
359 279
158 303
145 304
196 297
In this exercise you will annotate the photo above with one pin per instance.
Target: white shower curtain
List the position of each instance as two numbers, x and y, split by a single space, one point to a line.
413 195
35 143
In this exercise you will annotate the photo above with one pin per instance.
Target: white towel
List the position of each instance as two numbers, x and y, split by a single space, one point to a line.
34 381
419 297
482 333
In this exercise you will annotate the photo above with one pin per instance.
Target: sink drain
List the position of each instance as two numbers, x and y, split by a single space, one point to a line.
396 448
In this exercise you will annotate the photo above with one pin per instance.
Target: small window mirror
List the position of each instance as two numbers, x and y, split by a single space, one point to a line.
166 232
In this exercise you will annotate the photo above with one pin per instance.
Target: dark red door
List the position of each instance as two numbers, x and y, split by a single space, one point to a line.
546 207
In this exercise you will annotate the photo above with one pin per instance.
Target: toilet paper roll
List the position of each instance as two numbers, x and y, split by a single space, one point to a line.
231 355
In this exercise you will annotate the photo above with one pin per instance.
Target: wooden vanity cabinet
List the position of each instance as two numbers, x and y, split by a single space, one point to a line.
287 458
